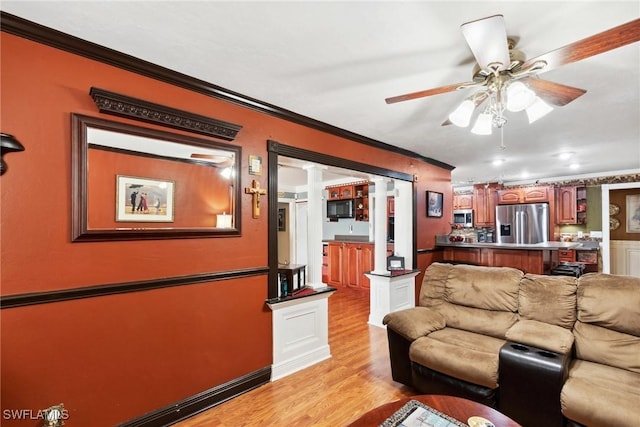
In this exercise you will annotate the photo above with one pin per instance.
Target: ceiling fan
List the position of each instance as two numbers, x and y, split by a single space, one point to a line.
509 81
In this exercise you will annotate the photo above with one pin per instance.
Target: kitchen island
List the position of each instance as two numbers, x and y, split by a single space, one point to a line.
539 258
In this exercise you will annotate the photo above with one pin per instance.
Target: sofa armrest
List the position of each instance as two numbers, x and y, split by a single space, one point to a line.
414 322
542 335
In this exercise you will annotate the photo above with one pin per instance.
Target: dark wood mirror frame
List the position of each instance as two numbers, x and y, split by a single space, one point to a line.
84 224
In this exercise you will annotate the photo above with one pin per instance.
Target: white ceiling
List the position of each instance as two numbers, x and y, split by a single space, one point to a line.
337 61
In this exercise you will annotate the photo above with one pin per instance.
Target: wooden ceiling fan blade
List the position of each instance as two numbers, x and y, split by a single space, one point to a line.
554 93
596 44
425 93
487 39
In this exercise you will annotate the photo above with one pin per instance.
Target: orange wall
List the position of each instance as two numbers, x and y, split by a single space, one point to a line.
124 355
194 207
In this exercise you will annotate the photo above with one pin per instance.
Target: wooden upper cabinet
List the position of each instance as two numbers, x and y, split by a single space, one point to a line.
340 192
571 205
524 195
484 201
510 196
535 194
462 201
566 205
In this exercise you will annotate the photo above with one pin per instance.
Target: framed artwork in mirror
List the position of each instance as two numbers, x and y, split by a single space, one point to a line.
132 182
434 204
144 199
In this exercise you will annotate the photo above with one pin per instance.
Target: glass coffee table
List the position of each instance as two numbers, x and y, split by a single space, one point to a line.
454 407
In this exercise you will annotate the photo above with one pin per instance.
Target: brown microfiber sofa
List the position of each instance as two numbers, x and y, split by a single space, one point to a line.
544 350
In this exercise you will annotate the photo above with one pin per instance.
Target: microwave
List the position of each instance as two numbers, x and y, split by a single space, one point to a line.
463 217
340 209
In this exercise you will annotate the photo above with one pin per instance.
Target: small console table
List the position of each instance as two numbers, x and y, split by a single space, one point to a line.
291 278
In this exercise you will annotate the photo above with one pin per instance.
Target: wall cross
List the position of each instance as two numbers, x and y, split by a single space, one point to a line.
255 192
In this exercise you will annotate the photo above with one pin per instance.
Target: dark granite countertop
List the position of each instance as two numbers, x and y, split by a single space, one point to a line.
349 238
553 246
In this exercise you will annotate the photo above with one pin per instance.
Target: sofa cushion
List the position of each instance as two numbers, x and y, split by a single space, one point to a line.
548 299
488 322
601 345
433 284
610 301
488 288
460 354
415 322
599 395
542 335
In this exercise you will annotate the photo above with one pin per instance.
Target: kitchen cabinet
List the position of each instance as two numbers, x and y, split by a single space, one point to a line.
463 201
360 261
358 192
530 261
571 205
347 263
566 255
524 195
361 201
484 201
391 206
334 263
325 262
340 192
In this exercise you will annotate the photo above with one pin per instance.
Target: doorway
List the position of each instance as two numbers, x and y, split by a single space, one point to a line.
314 208
618 256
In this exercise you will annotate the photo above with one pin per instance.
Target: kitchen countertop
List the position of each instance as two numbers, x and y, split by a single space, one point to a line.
553 246
351 238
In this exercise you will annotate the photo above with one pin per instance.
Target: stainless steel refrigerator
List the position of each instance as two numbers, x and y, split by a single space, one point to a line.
525 223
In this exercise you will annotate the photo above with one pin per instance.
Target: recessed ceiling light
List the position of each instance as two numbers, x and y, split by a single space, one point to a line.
497 162
565 156
574 166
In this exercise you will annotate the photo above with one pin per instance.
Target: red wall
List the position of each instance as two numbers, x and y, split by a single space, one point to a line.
118 357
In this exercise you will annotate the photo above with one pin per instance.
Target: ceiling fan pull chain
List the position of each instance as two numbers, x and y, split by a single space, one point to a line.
502 146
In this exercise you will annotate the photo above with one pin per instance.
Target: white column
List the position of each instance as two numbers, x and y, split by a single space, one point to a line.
314 229
403 239
380 226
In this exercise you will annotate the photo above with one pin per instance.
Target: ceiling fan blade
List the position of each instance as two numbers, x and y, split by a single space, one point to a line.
593 45
554 93
428 92
487 39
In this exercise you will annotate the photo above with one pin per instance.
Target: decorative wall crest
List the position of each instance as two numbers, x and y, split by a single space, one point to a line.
125 106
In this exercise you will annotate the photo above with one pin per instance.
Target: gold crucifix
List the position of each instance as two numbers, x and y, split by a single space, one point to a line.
255 192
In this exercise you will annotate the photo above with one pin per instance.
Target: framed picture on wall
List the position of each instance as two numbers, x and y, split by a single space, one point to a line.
633 213
282 219
434 204
143 199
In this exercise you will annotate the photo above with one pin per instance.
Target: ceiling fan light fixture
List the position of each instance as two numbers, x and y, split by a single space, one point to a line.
461 116
483 124
538 109
519 97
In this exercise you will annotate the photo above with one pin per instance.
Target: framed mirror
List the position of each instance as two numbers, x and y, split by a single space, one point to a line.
133 183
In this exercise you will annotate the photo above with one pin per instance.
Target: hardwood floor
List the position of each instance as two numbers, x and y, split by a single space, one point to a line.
332 393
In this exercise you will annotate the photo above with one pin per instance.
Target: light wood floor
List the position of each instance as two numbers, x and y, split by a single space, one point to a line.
331 393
